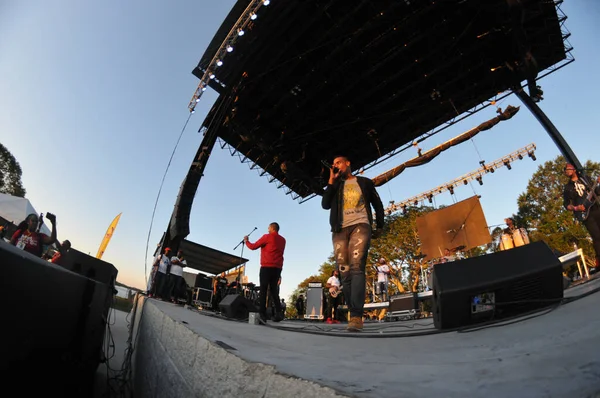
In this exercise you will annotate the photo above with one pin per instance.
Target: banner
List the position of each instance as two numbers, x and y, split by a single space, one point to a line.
107 236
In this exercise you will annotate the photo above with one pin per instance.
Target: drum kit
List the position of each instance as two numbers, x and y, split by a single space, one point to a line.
515 238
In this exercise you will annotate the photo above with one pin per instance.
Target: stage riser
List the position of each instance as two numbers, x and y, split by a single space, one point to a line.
173 361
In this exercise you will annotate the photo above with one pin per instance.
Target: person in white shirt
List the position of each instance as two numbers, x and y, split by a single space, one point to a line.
383 270
176 282
159 283
334 298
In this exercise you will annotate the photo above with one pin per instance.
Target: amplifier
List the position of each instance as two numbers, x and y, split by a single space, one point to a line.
314 302
203 281
403 302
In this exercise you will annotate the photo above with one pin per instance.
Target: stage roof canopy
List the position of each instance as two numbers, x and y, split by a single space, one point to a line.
312 79
205 259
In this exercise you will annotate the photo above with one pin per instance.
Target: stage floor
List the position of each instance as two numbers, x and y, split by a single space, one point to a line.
553 353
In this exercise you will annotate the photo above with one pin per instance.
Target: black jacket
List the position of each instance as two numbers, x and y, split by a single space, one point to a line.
333 199
572 197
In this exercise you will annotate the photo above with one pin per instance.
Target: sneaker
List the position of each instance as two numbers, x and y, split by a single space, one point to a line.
335 321
355 324
329 321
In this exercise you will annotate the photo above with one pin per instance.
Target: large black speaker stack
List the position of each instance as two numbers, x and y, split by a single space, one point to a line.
496 286
55 321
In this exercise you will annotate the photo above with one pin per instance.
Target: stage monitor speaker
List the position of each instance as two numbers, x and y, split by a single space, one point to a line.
236 306
403 302
314 302
90 267
495 286
203 281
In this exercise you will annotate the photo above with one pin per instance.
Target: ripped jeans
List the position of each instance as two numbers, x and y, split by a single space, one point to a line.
350 248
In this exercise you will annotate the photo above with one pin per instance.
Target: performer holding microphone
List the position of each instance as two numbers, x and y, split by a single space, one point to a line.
272 246
349 200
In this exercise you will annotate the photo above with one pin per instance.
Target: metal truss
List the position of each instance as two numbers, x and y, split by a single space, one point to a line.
247 18
568 59
476 175
259 170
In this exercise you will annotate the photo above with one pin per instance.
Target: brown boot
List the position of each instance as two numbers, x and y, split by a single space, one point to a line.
355 324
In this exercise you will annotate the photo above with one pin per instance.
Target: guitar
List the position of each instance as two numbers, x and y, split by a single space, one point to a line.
589 201
334 291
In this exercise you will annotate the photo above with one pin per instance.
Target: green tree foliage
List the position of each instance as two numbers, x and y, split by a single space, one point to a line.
400 246
541 209
10 174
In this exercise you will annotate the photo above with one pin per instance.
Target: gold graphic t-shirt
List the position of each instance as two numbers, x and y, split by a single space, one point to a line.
354 204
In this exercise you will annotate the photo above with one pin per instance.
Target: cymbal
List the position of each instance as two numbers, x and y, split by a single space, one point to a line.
457 248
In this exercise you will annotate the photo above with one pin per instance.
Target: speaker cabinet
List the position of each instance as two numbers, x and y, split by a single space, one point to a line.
403 302
496 286
236 306
203 281
90 267
314 302
57 324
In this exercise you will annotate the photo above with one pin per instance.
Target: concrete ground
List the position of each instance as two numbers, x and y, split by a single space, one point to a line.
109 376
554 353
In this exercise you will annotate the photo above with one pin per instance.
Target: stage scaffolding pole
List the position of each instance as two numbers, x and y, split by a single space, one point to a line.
558 139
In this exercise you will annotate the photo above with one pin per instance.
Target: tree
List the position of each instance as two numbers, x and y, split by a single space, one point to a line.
401 247
541 209
10 174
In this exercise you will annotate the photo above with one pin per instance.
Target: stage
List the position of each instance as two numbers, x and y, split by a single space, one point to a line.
552 353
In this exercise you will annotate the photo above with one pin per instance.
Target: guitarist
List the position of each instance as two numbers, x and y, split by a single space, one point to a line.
334 298
579 198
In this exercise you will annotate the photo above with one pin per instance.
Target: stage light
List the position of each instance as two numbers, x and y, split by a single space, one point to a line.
465 182
204 88
430 198
482 163
532 156
197 99
507 164
193 111
212 76
520 157
241 32
479 180
219 63
266 2
416 202
451 189
229 49
492 170
253 16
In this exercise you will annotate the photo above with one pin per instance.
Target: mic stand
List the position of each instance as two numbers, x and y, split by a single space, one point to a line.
237 278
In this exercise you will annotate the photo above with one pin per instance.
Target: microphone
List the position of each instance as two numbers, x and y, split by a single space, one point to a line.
335 169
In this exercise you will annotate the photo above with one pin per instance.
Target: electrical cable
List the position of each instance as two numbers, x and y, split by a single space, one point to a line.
158 195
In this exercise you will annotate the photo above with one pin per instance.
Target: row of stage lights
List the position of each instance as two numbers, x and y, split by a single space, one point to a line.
248 16
476 175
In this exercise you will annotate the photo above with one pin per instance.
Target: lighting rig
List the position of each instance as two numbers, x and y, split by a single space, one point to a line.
237 31
476 175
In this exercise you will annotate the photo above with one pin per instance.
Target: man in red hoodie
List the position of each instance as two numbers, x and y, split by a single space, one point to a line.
272 246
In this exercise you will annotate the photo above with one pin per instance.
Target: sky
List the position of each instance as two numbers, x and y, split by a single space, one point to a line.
93 97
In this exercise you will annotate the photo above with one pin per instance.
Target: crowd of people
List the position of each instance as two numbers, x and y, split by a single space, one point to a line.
28 237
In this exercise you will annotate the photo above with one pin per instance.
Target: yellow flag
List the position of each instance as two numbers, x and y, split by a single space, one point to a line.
108 235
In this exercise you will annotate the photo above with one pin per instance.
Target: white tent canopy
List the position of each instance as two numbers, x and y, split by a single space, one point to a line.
15 209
